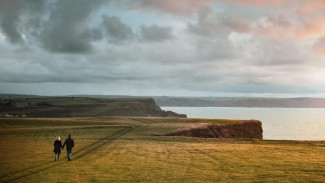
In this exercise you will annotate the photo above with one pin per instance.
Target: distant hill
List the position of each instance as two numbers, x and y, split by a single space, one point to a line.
166 101
241 102
80 107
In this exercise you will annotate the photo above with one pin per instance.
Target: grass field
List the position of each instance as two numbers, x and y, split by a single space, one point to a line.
126 149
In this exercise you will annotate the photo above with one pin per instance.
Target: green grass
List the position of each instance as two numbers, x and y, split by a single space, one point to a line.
122 149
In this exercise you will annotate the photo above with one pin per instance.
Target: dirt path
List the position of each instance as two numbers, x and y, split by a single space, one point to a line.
17 175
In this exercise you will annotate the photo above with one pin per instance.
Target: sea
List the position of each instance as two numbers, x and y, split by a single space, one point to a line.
277 123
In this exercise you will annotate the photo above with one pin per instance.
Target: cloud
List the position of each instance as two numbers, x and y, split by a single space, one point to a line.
310 6
188 7
96 34
59 26
275 52
313 26
155 33
299 20
17 16
218 25
292 19
260 3
67 29
180 7
161 47
116 30
320 45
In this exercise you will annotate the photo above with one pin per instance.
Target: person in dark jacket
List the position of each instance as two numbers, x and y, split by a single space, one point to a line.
57 148
70 144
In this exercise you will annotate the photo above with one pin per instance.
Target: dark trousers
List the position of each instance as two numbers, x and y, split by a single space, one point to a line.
69 153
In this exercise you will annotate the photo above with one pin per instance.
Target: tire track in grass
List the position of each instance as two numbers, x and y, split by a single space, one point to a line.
42 164
14 176
222 162
91 148
106 141
200 151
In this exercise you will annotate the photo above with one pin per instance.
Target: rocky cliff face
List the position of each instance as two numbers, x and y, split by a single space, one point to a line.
251 129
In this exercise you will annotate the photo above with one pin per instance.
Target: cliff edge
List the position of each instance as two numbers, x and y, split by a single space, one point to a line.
251 129
82 107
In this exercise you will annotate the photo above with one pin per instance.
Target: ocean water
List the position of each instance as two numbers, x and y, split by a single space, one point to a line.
277 123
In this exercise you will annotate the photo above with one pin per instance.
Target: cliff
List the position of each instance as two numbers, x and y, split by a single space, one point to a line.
251 129
86 107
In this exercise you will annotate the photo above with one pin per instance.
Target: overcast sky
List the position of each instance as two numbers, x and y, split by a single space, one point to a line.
163 47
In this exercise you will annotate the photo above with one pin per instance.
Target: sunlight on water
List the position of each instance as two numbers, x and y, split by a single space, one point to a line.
278 123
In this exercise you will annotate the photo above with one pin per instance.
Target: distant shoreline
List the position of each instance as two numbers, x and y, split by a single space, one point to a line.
170 101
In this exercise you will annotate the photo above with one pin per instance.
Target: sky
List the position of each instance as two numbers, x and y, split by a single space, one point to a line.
253 48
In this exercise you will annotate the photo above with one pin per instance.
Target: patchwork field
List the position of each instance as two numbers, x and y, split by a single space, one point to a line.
127 149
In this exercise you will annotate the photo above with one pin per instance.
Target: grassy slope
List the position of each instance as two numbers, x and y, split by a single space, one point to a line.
117 152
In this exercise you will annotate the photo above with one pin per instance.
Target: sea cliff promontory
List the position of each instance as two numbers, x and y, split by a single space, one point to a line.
81 107
248 129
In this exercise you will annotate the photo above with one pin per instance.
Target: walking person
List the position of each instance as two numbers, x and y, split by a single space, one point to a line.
57 148
70 144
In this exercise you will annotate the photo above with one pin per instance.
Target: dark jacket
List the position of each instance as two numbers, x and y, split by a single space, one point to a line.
69 142
57 146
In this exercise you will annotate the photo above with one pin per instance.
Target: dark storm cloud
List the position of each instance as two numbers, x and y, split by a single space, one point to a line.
59 26
67 29
155 33
96 34
16 17
116 30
